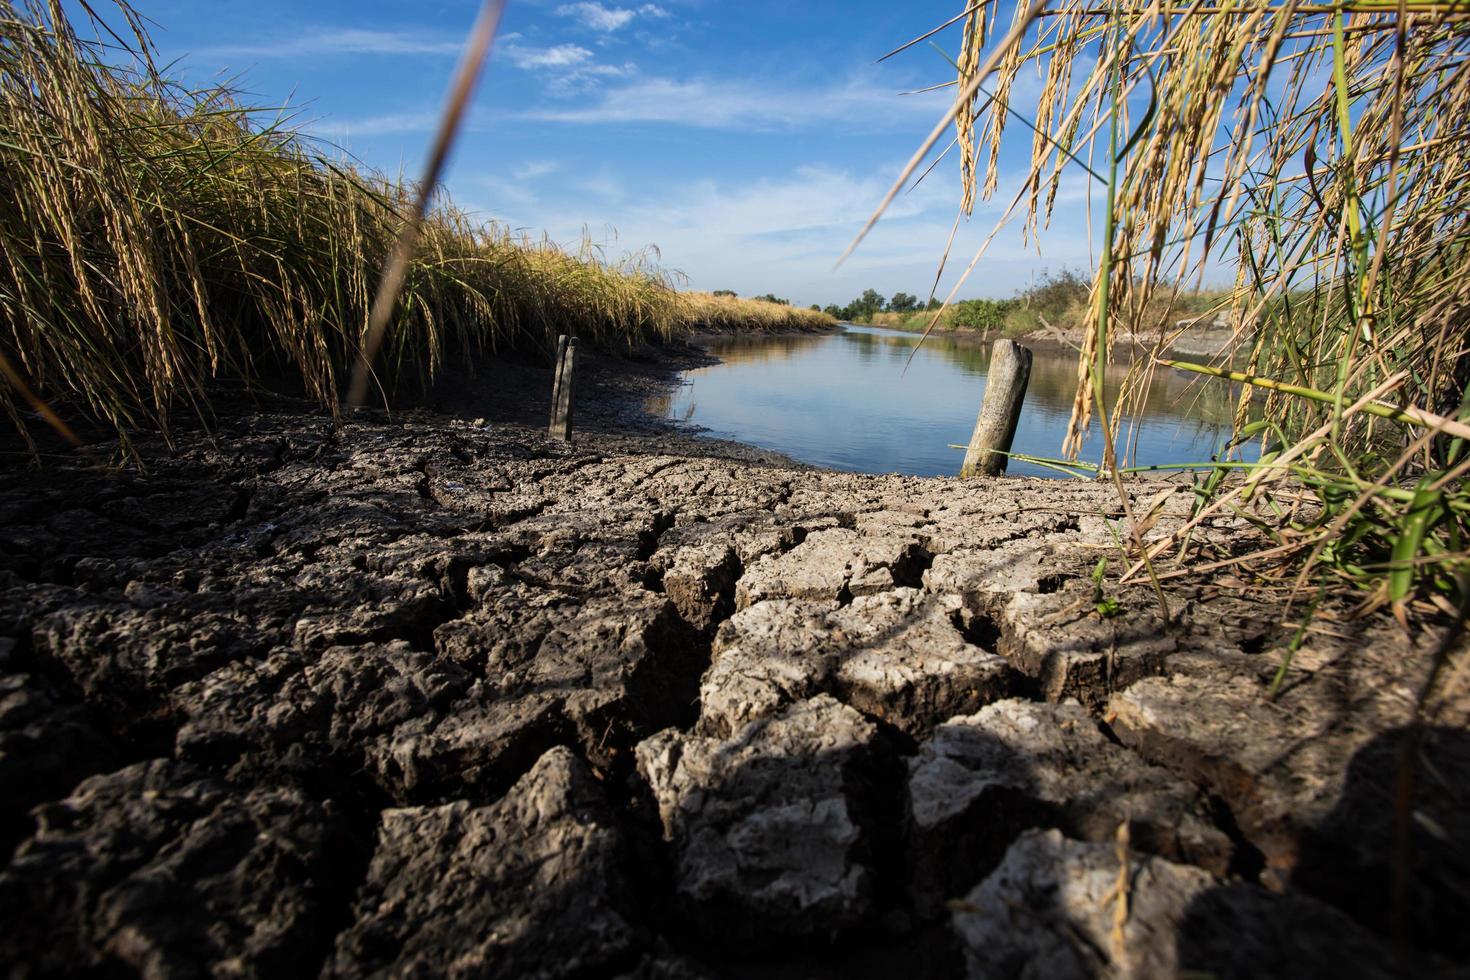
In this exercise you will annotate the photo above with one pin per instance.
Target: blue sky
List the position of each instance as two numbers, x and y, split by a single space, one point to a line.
747 140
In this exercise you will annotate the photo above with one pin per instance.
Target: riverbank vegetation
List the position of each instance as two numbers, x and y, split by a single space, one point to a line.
157 238
1320 152
1055 306
729 313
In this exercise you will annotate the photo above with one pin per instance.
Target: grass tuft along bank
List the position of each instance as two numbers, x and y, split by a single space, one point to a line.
157 237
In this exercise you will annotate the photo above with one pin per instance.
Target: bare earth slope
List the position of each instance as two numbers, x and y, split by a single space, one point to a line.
420 697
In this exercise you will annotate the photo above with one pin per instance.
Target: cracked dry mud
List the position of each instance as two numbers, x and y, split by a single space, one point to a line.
425 698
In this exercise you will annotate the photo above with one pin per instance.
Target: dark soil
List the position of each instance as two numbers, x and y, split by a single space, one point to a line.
431 695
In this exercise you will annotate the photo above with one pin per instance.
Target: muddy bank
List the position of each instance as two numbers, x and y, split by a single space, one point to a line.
431 695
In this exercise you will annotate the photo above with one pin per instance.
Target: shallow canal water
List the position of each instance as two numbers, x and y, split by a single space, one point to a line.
845 401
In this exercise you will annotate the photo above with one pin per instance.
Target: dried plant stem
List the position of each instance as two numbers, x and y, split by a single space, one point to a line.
477 51
1318 151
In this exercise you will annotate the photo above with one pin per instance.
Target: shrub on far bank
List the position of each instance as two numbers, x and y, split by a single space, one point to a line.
1055 300
984 315
977 315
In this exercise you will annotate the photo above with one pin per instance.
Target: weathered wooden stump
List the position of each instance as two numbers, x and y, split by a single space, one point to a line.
1005 391
562 387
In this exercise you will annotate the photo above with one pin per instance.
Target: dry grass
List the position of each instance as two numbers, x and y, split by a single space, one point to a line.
154 238
717 314
1319 150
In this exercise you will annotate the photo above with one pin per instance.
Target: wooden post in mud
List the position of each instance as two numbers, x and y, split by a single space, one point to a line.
561 360
1005 391
561 393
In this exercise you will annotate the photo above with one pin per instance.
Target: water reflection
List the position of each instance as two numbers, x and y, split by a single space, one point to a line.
845 401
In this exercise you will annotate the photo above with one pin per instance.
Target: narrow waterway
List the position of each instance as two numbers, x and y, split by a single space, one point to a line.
854 401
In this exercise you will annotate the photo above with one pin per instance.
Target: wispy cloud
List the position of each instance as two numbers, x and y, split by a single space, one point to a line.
596 17
328 41
560 56
737 104
587 79
753 236
569 68
388 124
783 232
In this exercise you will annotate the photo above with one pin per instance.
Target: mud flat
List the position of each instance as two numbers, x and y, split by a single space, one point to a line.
429 696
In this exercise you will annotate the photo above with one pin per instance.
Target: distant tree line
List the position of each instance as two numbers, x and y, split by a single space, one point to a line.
1052 298
872 302
978 313
862 309
1057 298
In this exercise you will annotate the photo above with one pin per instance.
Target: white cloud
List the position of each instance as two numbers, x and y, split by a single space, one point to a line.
783 233
326 41
736 104
392 123
597 17
570 67
560 56
586 77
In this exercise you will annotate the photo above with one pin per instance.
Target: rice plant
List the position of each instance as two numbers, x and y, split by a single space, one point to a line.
1319 153
154 238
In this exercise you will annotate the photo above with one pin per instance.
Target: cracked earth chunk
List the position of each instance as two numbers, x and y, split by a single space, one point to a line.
984 778
1225 734
906 663
1049 909
984 578
896 655
527 887
833 565
127 658
601 672
1310 778
46 746
997 529
700 581
767 825
479 746
293 714
1058 639
1054 909
160 871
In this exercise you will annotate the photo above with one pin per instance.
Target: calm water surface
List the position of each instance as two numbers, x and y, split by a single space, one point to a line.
844 401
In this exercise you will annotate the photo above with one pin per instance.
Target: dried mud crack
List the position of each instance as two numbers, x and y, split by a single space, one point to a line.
424 697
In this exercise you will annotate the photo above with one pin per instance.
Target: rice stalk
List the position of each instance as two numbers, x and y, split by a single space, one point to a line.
155 239
1318 153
